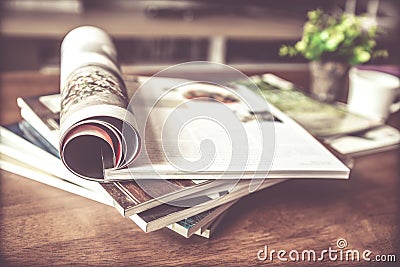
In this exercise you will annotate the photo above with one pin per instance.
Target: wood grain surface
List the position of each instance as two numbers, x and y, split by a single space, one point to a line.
41 225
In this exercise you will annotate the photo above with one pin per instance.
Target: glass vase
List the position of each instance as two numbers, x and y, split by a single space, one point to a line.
328 80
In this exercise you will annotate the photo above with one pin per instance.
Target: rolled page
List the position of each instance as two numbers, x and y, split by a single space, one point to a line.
93 106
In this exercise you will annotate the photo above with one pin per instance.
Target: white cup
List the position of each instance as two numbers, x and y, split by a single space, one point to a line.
372 93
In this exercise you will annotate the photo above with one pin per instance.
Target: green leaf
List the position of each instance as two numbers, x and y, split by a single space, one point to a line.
347 38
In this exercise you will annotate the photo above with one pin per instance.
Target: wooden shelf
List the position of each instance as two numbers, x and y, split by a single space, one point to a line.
126 25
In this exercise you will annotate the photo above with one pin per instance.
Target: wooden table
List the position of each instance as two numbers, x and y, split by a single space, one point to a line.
41 225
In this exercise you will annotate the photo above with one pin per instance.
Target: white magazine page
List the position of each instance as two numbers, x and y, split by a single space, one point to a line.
296 152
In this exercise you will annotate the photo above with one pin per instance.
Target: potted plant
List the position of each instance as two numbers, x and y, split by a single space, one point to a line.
333 44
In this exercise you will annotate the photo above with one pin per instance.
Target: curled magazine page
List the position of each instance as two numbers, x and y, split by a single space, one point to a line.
93 106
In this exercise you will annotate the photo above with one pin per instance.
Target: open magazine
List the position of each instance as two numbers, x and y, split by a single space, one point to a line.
320 118
105 138
297 154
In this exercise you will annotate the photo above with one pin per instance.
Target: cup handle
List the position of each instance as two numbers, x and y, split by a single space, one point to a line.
395 106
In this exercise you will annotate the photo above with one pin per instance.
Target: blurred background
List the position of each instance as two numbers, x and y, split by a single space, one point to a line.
150 35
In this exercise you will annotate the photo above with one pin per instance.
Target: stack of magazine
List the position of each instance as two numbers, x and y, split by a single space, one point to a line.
113 138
